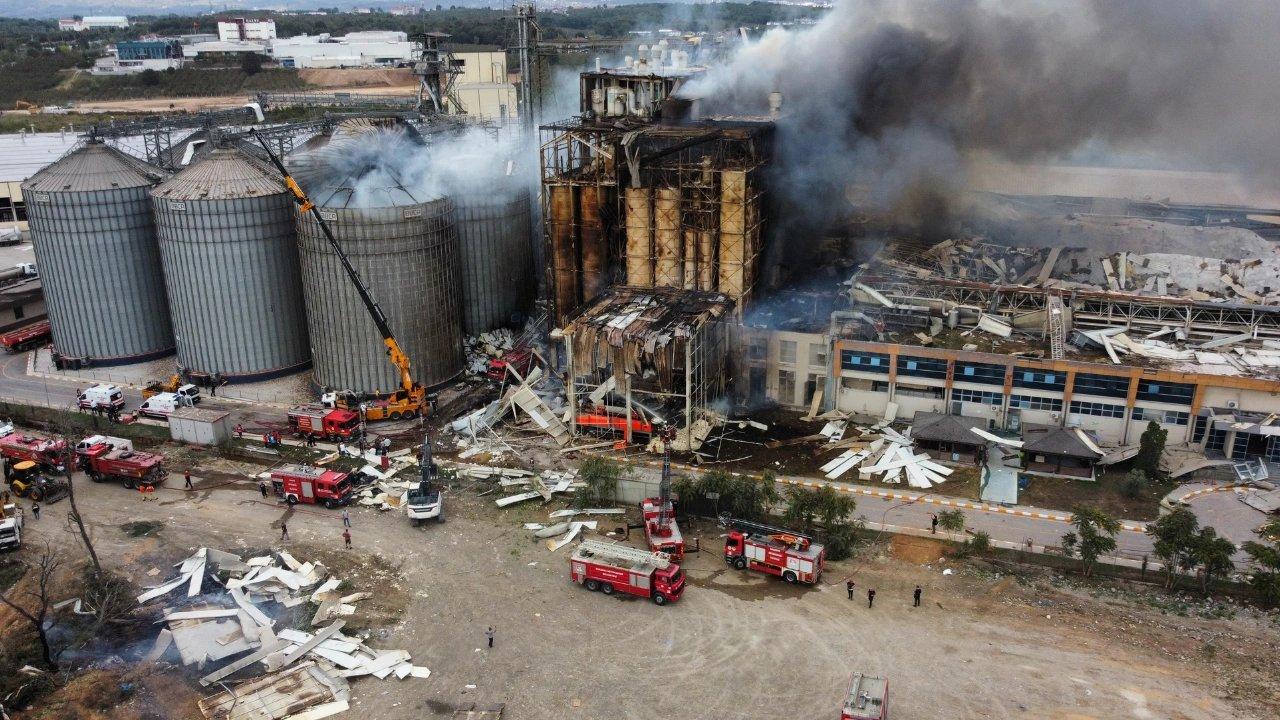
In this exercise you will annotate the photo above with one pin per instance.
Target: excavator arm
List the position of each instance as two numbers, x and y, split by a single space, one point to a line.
396 355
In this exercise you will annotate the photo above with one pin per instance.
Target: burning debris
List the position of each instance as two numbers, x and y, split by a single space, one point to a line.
243 619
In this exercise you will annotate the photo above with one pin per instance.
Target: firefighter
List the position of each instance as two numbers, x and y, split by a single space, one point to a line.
35 510
916 596
186 477
284 531
346 538
848 585
933 523
262 488
871 597
239 431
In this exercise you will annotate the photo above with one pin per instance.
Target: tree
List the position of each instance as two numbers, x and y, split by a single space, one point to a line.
1265 578
951 520
828 508
74 517
149 77
1150 448
601 476
979 543
1094 536
45 567
1213 554
250 63
1174 536
1133 484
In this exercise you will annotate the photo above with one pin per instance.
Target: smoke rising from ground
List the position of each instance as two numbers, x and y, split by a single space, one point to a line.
893 96
386 167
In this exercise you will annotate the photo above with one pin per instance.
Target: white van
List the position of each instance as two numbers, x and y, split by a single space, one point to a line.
101 397
191 392
162 404
115 442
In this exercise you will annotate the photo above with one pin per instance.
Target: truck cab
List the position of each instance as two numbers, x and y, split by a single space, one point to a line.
329 423
161 405
190 392
101 397
11 527
311 485
422 502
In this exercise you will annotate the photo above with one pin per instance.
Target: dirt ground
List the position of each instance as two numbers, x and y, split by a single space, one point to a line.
985 644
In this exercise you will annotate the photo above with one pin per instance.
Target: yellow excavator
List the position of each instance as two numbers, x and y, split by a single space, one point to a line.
411 399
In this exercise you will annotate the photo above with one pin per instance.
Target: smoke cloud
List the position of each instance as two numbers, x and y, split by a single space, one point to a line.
894 97
395 166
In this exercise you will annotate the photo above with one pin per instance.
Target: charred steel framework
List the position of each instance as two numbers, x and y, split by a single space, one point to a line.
649 205
1095 309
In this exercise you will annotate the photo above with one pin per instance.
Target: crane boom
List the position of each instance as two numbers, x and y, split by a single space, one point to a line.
398 357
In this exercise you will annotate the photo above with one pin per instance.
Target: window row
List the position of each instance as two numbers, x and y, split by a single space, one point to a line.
1082 407
1032 402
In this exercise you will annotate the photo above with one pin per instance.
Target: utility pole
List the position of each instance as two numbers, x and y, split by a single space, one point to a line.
526 51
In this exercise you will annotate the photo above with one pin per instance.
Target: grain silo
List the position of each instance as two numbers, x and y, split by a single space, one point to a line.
496 257
405 249
230 255
95 244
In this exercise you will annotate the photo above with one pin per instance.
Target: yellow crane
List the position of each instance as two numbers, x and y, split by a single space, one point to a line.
411 399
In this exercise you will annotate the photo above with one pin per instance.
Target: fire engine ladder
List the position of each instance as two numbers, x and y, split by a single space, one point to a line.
1057 328
762 529
626 553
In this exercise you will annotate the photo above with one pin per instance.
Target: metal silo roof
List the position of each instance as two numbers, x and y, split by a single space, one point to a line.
94 167
225 173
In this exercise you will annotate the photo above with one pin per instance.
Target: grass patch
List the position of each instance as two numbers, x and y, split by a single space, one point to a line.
141 528
1104 494
10 572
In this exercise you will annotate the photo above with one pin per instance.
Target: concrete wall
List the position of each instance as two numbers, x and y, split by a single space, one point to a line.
631 491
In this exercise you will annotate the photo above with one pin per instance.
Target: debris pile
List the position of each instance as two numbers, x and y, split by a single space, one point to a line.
569 529
888 454
234 621
485 347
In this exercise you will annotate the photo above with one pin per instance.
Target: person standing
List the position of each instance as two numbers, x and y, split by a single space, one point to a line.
262 488
871 597
284 531
848 585
346 518
488 634
342 449
933 524
35 510
239 430
916 596
346 538
186 477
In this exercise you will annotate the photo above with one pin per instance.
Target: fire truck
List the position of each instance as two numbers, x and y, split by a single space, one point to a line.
104 461
613 567
310 485
19 446
777 551
25 338
660 528
868 699
328 423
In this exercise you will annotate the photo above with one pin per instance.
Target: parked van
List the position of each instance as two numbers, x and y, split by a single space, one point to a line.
191 392
115 442
161 405
101 397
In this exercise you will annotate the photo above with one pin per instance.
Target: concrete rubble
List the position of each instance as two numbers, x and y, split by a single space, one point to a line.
487 346
234 613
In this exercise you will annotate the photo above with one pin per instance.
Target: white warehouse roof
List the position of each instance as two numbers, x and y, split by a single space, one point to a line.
24 154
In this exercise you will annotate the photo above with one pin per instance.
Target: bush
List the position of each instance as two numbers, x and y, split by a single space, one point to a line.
979 543
250 63
149 77
1134 484
601 476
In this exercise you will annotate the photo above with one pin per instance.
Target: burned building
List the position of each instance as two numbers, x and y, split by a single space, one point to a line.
637 191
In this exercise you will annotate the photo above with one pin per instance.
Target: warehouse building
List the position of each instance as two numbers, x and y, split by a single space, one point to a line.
357 49
21 156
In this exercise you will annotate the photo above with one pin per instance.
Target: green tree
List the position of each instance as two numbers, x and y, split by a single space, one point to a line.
601 476
1213 555
1265 577
1094 536
1150 448
1134 483
829 509
978 544
149 77
250 63
1174 537
951 520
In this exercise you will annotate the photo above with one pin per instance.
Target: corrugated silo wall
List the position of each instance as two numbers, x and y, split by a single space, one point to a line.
100 266
408 258
496 259
234 284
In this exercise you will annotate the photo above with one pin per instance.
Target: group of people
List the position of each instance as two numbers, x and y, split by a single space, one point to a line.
271 439
871 594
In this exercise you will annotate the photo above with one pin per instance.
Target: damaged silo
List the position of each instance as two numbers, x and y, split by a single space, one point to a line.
95 244
230 257
496 256
405 249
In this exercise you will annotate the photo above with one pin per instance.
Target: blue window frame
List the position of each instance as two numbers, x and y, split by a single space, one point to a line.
1102 385
981 373
1166 392
864 361
922 367
1039 379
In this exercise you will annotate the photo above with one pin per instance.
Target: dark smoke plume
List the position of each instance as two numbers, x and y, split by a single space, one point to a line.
891 96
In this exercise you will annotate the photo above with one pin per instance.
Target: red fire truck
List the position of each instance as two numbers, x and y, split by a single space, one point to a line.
310 485
104 461
328 423
789 555
48 454
660 528
25 338
868 699
612 567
